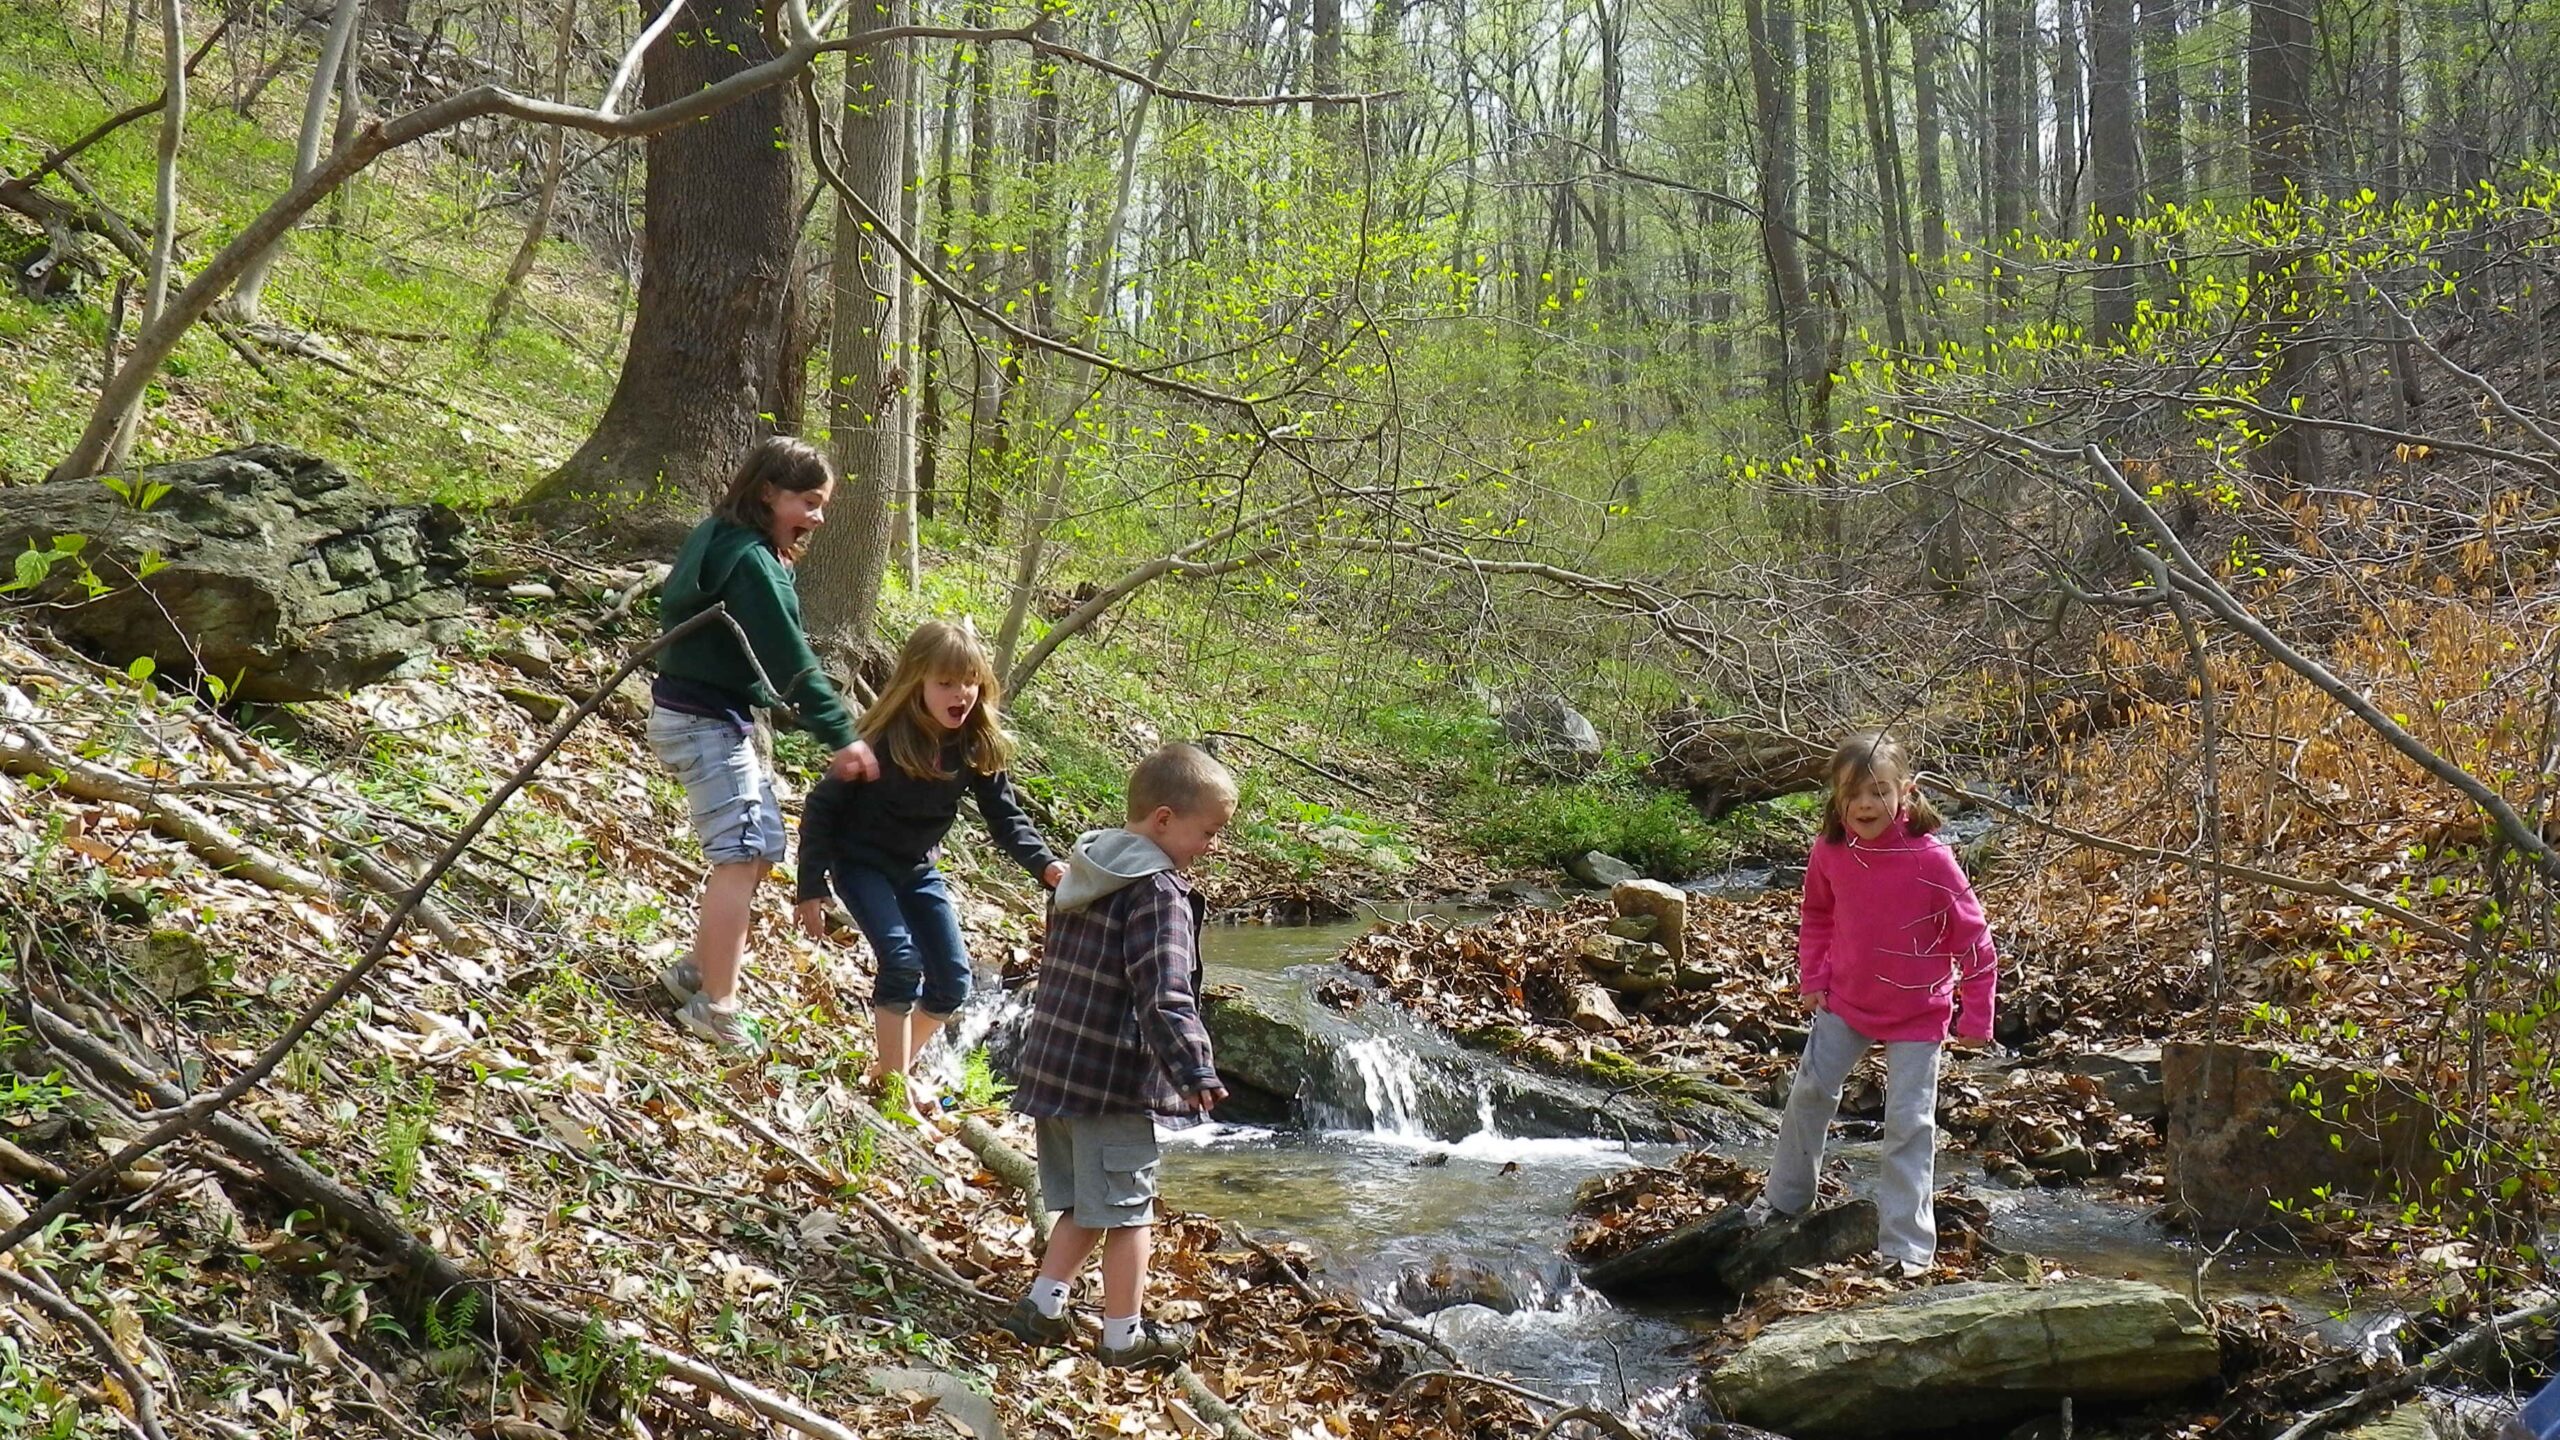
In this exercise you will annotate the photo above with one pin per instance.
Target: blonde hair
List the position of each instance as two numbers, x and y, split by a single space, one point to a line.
1182 778
1861 758
898 724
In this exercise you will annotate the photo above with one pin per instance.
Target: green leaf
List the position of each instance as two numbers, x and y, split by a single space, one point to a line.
141 668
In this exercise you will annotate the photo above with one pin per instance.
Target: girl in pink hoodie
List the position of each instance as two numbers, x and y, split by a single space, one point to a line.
1894 952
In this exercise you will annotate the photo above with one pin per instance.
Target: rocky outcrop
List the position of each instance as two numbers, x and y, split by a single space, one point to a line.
1600 869
2130 1077
2252 1129
1966 1356
274 571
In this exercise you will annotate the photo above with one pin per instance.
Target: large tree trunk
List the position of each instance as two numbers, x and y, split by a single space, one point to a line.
2115 170
2280 52
840 581
1875 88
989 441
720 232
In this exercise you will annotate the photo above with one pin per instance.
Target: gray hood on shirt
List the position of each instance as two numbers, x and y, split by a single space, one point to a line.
1107 861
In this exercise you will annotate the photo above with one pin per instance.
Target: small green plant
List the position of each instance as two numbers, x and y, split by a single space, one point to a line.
979 1085
405 1128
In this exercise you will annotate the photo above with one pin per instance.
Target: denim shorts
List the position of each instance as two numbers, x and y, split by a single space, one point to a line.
736 814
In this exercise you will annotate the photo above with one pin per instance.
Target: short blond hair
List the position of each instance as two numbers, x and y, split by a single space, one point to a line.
1182 778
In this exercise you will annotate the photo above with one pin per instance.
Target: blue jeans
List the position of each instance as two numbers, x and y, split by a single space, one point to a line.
915 935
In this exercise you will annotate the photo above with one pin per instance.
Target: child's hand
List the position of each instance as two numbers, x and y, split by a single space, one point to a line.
1813 1004
1055 875
855 762
1207 1096
812 918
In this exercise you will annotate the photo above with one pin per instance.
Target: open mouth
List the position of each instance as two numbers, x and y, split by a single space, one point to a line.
955 713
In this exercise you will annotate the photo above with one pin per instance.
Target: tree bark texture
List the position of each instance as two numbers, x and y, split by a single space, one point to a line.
2115 169
720 231
841 579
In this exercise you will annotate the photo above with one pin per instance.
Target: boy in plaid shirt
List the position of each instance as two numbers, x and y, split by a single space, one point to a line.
1116 1043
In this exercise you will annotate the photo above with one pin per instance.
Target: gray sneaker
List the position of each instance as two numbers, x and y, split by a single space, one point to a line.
1025 1323
726 1028
1760 1212
681 981
1156 1346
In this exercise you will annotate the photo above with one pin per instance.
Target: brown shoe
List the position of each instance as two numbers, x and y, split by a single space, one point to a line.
1025 1323
1157 1346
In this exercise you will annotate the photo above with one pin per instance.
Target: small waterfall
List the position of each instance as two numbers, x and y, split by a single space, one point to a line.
1387 1073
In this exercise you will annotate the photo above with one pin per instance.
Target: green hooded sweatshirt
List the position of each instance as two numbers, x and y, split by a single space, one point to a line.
721 561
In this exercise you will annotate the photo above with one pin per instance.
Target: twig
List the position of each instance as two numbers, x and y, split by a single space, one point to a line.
146 1413
2274 880
1591 1415
1490 1382
1305 1287
26 751
1009 1165
1336 776
197 1112
1212 1406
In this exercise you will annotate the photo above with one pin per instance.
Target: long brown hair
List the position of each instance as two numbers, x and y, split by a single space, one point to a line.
1861 758
783 462
898 723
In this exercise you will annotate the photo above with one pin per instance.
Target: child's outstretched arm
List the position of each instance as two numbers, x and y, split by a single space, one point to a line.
1162 957
1011 829
769 612
1813 938
1968 940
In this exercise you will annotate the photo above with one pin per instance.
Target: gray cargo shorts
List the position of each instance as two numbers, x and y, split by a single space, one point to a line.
1102 1167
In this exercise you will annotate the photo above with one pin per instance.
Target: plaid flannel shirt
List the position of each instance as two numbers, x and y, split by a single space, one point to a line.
1115 1027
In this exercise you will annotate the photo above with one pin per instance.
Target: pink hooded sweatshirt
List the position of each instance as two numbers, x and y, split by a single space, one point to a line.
1893 938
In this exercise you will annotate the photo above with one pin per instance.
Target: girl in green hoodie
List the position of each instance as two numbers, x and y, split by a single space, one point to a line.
702 725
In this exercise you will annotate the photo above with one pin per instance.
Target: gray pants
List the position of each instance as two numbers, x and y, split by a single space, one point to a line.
1906 1229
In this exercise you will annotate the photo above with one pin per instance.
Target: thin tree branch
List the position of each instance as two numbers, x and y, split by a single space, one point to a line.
193 1114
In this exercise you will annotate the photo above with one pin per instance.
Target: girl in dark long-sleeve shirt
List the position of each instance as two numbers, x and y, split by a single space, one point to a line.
936 736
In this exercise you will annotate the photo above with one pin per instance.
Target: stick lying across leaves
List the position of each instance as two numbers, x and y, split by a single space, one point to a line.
193 1114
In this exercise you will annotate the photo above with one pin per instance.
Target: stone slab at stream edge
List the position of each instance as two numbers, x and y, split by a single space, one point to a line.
1970 1355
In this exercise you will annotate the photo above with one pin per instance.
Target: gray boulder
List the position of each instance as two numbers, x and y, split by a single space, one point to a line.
1600 870
2251 1126
2130 1077
1964 1356
1554 734
273 570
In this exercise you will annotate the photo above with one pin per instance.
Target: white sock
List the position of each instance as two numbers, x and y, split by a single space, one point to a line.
1049 1297
1119 1334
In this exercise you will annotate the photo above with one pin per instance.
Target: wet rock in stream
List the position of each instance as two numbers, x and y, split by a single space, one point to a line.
1966 1356
1726 1252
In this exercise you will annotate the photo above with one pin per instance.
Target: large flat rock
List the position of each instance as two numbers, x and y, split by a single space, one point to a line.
275 571
1966 1356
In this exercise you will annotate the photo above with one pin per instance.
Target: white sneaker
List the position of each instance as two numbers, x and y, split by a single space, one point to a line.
1760 1212
724 1027
681 981
1905 1270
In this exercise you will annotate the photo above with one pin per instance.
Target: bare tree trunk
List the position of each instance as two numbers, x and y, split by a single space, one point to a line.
555 154
2280 58
720 237
243 302
1819 182
2115 170
2068 132
2164 146
2008 22
350 115
164 206
989 440
1927 139
1796 326
848 561
1875 90
910 325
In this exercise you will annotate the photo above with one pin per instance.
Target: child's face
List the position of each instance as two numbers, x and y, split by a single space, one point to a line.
1185 838
1870 804
797 514
947 703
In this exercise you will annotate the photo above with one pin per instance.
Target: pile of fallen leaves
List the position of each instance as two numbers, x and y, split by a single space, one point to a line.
509 1086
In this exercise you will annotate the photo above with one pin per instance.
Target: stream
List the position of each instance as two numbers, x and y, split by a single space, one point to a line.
1394 1186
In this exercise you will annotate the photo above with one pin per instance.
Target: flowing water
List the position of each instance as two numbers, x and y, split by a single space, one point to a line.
1407 1190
